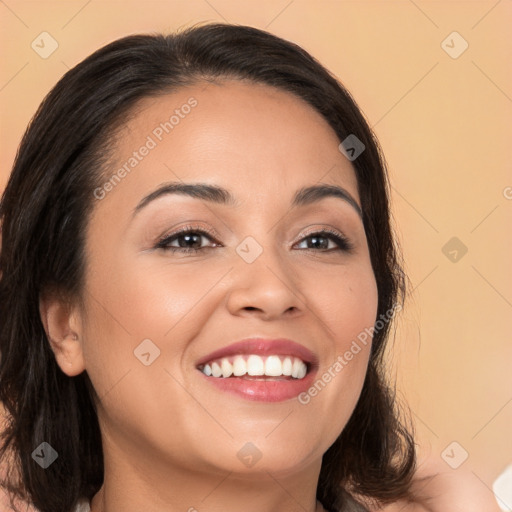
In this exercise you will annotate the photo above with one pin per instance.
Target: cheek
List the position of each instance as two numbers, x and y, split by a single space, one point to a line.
141 318
138 325
346 301
143 302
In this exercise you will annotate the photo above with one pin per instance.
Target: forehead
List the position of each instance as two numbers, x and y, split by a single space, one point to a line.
250 138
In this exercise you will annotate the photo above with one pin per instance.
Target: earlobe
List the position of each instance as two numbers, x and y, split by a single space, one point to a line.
62 327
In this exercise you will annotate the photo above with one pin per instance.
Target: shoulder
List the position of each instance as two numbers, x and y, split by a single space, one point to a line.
438 488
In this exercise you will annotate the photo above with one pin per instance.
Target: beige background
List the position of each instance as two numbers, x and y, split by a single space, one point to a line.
444 124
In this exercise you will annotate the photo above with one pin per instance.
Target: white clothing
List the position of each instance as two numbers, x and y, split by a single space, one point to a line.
83 506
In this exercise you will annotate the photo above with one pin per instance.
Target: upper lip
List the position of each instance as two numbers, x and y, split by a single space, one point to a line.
263 346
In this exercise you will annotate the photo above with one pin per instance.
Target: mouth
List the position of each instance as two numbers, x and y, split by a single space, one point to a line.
260 369
256 367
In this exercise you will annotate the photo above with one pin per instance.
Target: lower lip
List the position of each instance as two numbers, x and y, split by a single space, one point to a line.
263 390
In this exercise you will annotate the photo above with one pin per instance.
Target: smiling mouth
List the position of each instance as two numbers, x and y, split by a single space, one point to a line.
255 367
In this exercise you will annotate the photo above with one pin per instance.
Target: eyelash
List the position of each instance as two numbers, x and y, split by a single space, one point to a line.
341 241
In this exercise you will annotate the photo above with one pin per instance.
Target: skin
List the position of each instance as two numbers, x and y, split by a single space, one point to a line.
170 438
440 488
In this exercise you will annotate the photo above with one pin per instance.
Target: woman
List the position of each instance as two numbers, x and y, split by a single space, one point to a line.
198 279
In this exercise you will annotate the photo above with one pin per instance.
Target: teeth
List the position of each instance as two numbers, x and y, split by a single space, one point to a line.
216 371
257 366
227 368
296 368
302 371
287 366
239 366
273 366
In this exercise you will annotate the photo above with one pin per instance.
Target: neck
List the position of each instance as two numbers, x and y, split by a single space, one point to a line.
145 484
228 495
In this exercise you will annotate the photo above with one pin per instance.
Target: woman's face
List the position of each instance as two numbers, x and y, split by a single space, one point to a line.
156 315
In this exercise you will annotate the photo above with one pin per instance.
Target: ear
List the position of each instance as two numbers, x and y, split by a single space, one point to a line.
61 321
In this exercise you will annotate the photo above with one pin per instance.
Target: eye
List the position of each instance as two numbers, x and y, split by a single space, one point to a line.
188 240
321 239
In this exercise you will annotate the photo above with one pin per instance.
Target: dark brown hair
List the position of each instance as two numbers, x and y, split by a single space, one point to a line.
44 212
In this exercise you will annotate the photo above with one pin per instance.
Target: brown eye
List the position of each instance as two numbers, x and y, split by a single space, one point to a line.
189 240
320 240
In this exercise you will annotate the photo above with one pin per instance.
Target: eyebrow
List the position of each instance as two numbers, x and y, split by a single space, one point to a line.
219 195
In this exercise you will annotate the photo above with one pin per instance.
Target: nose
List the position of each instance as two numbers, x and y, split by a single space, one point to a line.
268 288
